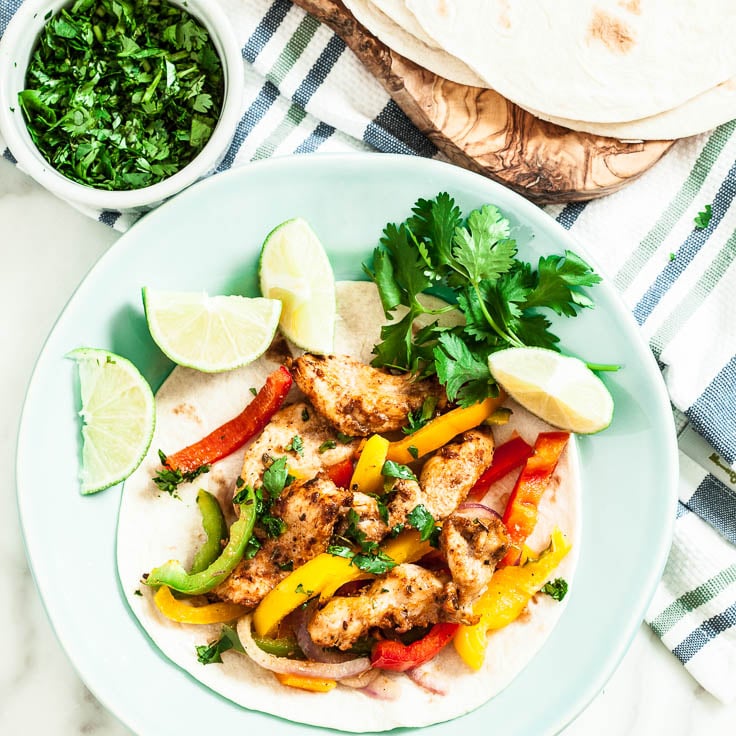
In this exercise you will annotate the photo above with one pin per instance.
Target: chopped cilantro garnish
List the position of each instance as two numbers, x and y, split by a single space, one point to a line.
425 524
393 469
417 419
210 654
473 262
168 479
253 390
376 564
702 219
556 588
296 445
305 415
122 95
301 589
327 445
413 451
345 439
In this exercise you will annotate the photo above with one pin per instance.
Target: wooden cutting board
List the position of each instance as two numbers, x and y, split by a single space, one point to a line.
482 131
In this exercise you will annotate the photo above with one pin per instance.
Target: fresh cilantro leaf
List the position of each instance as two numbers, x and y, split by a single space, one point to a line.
413 451
465 375
556 588
305 414
327 445
378 564
345 439
242 495
211 653
417 419
275 477
434 223
301 589
425 524
296 445
702 219
393 469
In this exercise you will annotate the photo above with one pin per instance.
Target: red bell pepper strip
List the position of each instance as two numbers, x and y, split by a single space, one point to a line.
341 473
522 509
507 456
235 433
397 657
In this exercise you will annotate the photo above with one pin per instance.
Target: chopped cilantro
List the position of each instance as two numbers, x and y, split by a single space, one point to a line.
417 419
121 96
393 469
413 451
345 439
702 219
169 480
425 524
137 592
327 445
210 654
288 566
473 262
376 564
296 445
556 588
301 589
253 390
239 481
305 415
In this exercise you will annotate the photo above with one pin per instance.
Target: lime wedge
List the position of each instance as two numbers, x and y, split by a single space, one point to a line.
118 414
295 269
210 333
561 390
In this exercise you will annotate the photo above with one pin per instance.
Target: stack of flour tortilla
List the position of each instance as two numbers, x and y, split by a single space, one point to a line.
629 69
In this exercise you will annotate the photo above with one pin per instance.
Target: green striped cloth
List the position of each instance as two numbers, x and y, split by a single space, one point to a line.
305 92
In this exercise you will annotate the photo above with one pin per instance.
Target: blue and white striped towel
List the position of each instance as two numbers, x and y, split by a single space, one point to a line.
305 92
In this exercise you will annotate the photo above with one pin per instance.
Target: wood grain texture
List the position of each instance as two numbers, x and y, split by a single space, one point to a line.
482 131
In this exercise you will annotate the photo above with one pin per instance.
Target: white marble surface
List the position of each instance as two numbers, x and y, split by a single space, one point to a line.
47 248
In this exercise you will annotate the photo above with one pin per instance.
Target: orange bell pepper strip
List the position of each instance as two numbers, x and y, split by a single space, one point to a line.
304 682
323 575
442 429
185 613
506 457
235 433
522 509
506 597
389 654
367 476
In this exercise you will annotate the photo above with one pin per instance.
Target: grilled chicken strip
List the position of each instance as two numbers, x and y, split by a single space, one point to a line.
473 546
369 520
358 399
302 421
310 512
406 597
453 470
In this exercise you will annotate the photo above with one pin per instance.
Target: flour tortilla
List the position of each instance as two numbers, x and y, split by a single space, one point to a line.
154 527
596 60
392 23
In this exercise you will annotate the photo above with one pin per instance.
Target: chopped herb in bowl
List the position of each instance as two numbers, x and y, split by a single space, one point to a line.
122 94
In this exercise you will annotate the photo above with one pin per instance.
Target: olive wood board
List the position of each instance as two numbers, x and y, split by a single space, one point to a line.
480 130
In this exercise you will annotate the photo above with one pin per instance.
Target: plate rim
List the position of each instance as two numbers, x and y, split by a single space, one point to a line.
532 215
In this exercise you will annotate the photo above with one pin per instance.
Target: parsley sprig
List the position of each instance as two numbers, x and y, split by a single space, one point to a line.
472 262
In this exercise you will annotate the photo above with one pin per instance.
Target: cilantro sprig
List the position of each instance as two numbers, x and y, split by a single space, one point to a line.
472 263
120 95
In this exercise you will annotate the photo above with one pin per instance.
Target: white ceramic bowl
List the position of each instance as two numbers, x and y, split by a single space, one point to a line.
16 47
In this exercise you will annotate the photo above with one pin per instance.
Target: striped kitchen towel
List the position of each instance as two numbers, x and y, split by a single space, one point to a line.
305 92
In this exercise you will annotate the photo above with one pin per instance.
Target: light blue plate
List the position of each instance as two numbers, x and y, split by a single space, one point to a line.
208 238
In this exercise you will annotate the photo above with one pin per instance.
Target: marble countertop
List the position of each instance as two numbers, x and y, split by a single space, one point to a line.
47 248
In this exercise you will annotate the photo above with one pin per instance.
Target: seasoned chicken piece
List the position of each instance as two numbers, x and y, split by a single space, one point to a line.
357 398
367 518
406 495
473 546
405 597
310 511
302 421
453 470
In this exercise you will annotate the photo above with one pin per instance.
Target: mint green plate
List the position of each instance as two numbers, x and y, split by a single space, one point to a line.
208 238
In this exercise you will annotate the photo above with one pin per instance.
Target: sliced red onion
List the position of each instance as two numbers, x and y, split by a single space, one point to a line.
487 511
286 666
361 681
425 677
301 618
383 687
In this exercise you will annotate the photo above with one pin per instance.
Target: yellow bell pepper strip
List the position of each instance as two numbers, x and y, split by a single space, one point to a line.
323 575
304 682
213 522
367 476
184 612
507 595
522 508
442 429
173 574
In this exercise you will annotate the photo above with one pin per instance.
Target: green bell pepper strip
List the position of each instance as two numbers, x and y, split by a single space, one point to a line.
213 522
282 646
173 574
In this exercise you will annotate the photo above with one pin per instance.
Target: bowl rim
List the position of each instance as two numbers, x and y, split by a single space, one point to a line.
15 51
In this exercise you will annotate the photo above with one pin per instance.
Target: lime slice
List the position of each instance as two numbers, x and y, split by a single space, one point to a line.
118 414
210 333
562 391
295 269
